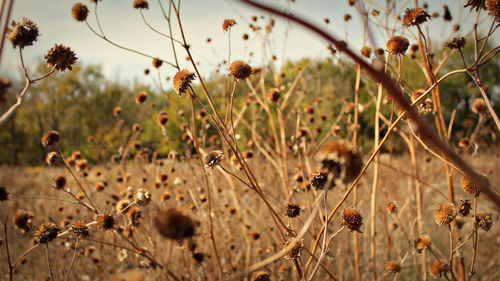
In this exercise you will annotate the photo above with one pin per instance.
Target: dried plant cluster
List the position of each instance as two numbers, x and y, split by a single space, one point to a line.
276 177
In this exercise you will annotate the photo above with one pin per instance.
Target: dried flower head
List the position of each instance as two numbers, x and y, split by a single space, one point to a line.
397 45
174 224
51 158
240 70
392 208
61 57
141 97
445 213
50 138
105 221
493 7
292 210
352 219
341 160
273 95
473 188
475 4
415 16
478 106
80 165
366 51
22 220
140 4
59 182
23 33
122 205
182 81
213 158
134 215
157 62
422 242
465 207
393 267
261 276
296 251
319 179
142 197
228 24
484 220
457 43
162 118
438 269
79 12
117 111
46 232
4 195
80 229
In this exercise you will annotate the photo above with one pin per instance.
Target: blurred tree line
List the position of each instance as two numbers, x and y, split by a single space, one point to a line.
79 104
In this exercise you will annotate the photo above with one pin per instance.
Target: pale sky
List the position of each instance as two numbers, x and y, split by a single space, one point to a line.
201 19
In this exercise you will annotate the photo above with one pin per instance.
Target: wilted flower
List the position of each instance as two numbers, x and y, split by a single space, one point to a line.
22 34
397 45
457 43
50 138
415 16
352 219
46 232
445 213
240 70
228 24
213 158
182 80
61 57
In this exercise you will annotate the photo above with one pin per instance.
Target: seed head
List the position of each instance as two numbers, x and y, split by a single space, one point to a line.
157 63
296 251
397 45
59 182
465 207
79 12
61 57
80 229
422 242
445 213
457 43
475 4
143 197
134 215
122 205
213 158
415 16
292 210
341 160
366 51
240 70
22 220
141 97
392 208
493 6
352 219
261 276
50 138
484 220
23 33
438 269
479 106
105 221
46 232
319 179
182 80
4 195
228 24
393 267
51 158
140 4
117 110
162 118
80 165
174 224
273 95
472 187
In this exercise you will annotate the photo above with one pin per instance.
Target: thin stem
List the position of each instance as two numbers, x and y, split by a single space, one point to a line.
72 260
48 261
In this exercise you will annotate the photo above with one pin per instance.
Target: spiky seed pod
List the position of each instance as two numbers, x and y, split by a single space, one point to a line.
23 33
319 179
162 118
117 111
46 232
484 220
182 81
140 4
79 12
479 106
273 95
392 208
397 45
457 43
122 205
445 213
61 57
415 16
240 70
261 276
228 24
141 97
393 267
422 242
296 251
174 224
438 269
157 62
59 182
105 221
341 160
465 207
213 158
493 7
143 197
472 187
51 158
475 4
352 219
4 195
80 229
50 138
292 210
366 51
